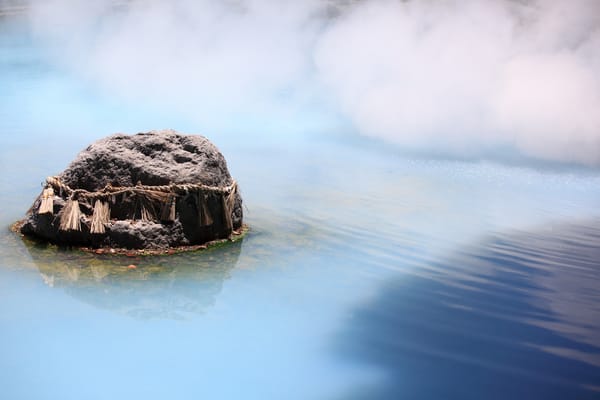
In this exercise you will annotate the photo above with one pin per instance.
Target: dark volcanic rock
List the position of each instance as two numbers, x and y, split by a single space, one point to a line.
152 159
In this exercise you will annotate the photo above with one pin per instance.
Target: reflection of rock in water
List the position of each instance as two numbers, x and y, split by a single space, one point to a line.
159 287
515 316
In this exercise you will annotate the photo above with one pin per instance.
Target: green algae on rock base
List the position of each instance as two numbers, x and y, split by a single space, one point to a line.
236 236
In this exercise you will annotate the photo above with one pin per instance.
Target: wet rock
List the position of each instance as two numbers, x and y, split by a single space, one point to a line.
170 203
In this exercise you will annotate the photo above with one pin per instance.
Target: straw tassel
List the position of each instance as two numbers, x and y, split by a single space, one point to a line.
145 213
172 209
70 218
143 207
47 203
100 217
168 210
231 197
148 209
227 201
205 216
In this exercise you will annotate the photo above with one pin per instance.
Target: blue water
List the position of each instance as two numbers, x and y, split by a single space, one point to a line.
366 274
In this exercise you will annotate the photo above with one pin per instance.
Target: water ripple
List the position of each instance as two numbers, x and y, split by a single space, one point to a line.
514 316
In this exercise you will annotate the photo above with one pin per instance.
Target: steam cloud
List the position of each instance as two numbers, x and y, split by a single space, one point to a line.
459 77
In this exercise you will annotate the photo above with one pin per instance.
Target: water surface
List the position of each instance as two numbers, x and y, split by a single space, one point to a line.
366 274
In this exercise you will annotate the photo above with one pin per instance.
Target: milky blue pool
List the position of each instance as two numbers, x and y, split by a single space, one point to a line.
366 274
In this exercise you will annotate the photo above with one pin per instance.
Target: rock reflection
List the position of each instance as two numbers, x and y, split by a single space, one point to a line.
172 287
515 316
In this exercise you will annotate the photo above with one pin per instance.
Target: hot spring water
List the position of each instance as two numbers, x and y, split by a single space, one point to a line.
365 274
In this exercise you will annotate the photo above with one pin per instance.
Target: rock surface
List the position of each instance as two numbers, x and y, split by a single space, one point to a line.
153 158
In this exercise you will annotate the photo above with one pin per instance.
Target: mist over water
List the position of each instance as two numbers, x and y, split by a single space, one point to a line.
366 273
460 78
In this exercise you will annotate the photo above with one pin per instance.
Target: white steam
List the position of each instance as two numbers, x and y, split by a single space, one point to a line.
461 77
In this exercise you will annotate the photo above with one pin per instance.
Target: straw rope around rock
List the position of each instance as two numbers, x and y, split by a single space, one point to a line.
145 203
161 190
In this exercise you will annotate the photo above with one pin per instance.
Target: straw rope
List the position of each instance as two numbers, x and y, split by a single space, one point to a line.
158 191
145 198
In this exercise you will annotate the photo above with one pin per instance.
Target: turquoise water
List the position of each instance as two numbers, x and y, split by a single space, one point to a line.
366 274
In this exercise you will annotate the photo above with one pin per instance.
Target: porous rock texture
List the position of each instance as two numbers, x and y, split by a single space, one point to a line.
152 158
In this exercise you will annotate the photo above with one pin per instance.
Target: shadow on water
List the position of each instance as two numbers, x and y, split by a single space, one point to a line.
173 287
516 316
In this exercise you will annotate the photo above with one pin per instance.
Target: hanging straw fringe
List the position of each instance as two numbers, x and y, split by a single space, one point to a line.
145 213
70 218
100 217
47 203
228 201
172 209
167 213
205 215
150 202
144 207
